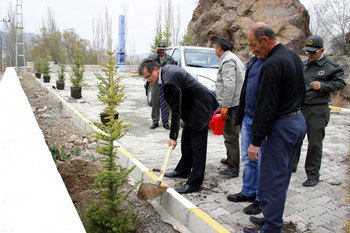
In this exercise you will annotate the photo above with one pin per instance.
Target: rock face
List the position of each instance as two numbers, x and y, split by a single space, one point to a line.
231 19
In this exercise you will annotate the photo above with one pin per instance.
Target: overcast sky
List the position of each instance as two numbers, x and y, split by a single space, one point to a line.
78 14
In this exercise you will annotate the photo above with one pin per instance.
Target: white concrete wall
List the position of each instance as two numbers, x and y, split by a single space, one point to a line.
33 197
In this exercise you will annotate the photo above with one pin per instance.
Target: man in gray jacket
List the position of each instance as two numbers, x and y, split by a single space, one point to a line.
228 89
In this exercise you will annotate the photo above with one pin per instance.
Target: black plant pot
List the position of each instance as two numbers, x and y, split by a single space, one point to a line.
75 92
38 75
103 116
60 85
46 78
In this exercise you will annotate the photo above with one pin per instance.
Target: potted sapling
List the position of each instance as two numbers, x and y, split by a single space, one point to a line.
77 74
45 69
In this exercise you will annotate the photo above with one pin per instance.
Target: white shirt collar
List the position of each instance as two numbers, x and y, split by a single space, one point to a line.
159 77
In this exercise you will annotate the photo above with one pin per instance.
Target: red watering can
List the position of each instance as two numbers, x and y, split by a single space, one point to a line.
217 123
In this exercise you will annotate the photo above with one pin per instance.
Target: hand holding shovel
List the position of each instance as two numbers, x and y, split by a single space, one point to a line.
150 191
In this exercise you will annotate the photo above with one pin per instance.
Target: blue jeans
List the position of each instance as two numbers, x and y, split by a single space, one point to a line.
250 168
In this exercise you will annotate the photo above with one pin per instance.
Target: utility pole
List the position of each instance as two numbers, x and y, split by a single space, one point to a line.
1 45
20 51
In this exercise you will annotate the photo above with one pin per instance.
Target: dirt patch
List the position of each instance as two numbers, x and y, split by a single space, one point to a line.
58 129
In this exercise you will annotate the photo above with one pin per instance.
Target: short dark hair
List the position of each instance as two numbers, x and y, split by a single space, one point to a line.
224 43
149 64
261 31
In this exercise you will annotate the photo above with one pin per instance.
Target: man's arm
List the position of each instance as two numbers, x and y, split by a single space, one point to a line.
229 82
266 103
335 83
173 95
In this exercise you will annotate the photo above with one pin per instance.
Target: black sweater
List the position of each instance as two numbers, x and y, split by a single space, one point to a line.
280 92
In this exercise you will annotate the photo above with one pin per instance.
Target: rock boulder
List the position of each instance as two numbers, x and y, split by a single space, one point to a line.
231 19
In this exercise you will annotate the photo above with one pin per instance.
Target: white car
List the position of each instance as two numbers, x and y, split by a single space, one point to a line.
200 62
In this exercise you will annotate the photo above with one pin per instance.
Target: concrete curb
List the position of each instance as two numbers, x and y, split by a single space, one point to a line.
172 202
345 110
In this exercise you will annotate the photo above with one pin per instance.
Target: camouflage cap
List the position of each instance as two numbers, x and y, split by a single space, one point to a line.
161 45
313 43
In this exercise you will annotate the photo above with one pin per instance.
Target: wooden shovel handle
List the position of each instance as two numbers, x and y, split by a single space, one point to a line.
164 166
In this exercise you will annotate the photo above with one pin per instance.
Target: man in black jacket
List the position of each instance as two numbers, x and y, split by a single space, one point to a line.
194 104
278 125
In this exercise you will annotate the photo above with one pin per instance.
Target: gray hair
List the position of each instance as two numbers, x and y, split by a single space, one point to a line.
149 64
262 29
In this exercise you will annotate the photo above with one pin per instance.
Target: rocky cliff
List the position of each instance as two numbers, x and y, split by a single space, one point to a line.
231 19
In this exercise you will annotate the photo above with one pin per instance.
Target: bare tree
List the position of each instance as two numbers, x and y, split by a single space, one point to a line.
98 36
176 28
159 34
125 7
330 20
108 30
9 40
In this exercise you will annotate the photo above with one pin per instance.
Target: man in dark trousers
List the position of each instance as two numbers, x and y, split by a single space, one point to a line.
163 59
322 77
194 104
278 125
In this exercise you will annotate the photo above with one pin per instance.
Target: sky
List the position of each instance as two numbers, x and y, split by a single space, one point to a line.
78 14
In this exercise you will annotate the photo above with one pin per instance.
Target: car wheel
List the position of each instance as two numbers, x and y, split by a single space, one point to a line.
149 94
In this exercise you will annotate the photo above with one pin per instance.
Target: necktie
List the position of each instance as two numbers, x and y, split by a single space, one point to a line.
163 107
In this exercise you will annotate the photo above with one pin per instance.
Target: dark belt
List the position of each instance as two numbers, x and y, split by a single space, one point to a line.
290 114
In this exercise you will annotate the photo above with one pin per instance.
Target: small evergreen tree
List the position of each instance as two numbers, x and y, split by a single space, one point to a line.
38 63
187 39
167 36
45 66
104 86
78 67
158 37
60 74
109 215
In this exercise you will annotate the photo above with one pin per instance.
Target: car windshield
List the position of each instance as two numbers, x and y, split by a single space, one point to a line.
201 58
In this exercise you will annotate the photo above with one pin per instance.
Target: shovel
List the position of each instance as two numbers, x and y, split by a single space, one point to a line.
150 191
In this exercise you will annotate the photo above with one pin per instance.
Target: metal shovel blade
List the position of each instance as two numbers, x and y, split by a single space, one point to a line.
150 191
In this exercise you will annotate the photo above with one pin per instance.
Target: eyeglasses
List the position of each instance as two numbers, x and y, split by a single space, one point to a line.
148 76
312 52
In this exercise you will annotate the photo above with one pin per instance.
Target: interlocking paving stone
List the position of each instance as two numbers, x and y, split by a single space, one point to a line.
323 207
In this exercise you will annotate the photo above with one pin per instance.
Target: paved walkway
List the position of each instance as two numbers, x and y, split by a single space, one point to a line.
323 208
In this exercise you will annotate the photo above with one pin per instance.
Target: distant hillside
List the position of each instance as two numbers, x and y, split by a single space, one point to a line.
27 36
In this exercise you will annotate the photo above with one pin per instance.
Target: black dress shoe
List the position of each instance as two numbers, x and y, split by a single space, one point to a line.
224 161
187 189
257 221
166 126
175 174
229 173
252 230
239 197
310 183
154 125
253 209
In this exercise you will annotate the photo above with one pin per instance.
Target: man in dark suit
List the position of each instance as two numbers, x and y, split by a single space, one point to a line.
194 104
